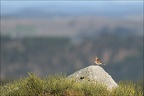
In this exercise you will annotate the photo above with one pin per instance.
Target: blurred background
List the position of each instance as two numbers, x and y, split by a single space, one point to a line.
47 37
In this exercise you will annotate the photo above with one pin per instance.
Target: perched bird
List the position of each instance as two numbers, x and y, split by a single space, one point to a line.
98 62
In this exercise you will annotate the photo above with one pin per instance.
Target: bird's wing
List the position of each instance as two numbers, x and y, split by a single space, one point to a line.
98 60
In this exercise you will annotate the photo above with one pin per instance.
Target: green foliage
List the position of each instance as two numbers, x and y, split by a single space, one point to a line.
128 88
59 85
53 53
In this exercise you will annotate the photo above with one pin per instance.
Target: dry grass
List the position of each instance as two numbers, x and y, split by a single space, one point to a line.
58 85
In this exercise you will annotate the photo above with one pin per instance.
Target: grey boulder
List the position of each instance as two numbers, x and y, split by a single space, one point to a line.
93 74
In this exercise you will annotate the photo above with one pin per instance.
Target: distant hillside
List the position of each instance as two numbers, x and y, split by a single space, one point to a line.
71 26
123 55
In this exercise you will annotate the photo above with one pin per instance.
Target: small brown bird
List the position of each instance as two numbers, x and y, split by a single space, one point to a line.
98 61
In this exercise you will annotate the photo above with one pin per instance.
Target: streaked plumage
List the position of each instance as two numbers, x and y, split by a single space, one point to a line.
98 61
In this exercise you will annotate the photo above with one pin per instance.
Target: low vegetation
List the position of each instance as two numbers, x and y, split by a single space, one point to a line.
58 85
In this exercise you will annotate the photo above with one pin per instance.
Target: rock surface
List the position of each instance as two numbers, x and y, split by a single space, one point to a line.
94 73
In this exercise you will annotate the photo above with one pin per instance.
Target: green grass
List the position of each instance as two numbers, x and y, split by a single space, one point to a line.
58 85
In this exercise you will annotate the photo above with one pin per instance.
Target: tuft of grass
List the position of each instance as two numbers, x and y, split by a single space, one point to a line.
128 88
30 86
59 85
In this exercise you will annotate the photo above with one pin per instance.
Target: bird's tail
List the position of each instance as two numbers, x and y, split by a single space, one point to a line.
103 64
